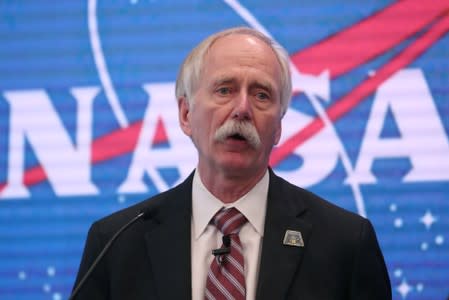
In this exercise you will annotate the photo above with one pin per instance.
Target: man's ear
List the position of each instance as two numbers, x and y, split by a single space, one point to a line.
184 115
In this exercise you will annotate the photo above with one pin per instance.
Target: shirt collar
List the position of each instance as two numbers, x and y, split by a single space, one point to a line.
205 205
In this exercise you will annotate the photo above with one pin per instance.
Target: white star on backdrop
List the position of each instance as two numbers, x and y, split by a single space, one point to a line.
393 207
398 222
424 246
57 296
420 287
22 275
121 199
404 288
428 219
439 240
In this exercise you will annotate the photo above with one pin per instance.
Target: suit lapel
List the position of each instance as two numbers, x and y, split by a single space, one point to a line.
168 244
279 262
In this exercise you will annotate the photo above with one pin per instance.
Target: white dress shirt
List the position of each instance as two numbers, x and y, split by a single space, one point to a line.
205 237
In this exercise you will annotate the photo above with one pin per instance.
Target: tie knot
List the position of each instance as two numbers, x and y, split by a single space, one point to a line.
229 220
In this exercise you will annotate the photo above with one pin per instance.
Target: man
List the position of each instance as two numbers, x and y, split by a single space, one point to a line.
232 91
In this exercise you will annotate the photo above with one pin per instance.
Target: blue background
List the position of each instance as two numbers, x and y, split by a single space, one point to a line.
46 45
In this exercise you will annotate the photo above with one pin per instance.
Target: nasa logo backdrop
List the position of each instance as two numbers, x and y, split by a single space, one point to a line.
88 122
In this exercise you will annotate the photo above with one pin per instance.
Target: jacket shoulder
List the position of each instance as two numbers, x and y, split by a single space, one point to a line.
313 205
160 204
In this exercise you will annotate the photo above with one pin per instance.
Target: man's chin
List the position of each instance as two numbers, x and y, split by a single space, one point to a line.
239 164
237 145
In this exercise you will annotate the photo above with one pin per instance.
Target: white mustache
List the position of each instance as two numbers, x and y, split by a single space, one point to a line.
243 128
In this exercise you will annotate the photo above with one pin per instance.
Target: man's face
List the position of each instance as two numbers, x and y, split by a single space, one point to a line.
239 82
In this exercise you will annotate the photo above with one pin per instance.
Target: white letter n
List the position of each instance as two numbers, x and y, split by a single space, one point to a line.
34 118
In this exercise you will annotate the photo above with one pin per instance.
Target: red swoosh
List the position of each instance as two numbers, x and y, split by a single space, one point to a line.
369 38
366 88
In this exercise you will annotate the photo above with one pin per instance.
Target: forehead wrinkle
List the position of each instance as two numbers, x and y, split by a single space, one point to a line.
266 84
223 79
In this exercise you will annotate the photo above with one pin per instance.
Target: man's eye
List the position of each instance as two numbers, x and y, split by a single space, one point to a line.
224 91
262 96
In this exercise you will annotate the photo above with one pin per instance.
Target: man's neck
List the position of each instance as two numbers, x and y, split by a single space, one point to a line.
229 188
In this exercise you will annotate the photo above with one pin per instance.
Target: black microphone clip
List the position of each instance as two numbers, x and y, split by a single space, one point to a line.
225 249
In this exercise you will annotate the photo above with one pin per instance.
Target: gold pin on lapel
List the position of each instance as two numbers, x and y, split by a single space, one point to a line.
293 238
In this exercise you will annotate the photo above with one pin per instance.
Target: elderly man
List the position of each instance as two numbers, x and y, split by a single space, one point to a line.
233 229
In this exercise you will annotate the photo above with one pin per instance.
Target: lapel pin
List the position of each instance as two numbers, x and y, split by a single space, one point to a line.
293 238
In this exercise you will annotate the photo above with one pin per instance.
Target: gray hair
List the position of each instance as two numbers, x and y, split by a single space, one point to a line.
189 74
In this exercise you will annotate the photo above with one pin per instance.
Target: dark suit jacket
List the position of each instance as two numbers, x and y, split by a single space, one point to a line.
341 258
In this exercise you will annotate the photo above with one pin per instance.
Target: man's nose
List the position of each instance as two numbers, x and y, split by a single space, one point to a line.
242 108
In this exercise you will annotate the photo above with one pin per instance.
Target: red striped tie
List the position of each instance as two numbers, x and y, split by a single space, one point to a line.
226 277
